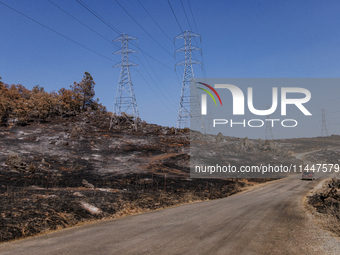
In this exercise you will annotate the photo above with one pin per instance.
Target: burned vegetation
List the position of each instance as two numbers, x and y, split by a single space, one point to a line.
62 163
326 199
71 169
64 160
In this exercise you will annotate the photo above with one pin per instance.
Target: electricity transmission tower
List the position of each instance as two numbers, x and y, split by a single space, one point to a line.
324 131
269 130
125 101
189 105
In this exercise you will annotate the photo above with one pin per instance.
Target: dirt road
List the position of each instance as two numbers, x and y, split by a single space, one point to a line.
268 219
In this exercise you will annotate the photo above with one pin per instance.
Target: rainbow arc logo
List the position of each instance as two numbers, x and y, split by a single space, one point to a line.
204 97
209 93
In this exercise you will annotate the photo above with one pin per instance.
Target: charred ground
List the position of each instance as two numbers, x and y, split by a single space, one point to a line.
67 170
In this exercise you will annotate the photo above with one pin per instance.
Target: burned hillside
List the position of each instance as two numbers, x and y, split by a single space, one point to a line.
64 160
69 169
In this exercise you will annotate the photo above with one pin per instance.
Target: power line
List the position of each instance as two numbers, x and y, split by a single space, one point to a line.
155 93
80 22
99 17
173 12
186 16
193 17
137 46
146 58
333 112
55 31
117 31
155 73
156 84
337 98
309 126
314 129
152 57
142 28
203 61
165 35
155 22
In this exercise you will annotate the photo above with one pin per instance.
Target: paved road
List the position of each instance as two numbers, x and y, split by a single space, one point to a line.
269 219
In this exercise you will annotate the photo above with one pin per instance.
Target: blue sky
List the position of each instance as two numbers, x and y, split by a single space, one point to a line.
240 39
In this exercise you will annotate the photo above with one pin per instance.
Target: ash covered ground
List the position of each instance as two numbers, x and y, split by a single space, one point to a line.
69 170
326 199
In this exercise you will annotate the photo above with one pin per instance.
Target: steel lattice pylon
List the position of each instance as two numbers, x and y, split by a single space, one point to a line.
189 105
125 98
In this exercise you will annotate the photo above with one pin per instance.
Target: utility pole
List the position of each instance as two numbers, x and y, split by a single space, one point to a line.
125 101
324 131
189 106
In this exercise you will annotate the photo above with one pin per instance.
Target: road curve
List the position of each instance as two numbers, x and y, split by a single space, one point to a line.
268 219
